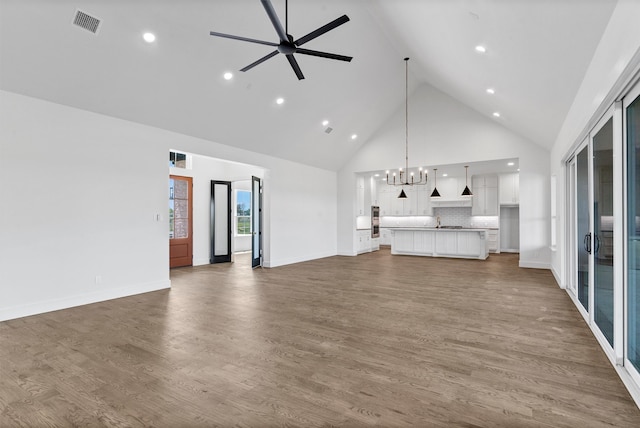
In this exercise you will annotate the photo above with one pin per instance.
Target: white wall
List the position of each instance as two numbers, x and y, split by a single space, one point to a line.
444 131
82 191
612 61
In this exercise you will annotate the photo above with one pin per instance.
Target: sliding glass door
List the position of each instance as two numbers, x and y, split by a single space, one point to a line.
591 230
632 230
603 249
583 228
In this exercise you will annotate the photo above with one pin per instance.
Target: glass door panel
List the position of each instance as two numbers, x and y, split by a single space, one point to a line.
632 118
583 235
603 256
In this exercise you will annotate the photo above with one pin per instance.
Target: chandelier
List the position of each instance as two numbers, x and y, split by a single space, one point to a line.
406 178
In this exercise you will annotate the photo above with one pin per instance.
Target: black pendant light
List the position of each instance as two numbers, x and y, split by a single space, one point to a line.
402 195
435 193
466 191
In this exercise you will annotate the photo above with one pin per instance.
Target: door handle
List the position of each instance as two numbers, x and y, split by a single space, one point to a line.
587 242
597 242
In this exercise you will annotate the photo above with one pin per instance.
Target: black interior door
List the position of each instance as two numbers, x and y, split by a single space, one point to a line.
220 221
256 222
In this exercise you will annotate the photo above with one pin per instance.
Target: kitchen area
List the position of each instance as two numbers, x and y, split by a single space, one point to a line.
442 223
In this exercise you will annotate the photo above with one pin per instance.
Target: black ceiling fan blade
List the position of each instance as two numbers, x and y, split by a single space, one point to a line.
295 66
324 54
260 61
274 19
244 39
320 31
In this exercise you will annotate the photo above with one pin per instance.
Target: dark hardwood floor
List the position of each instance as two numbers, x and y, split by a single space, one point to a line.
343 341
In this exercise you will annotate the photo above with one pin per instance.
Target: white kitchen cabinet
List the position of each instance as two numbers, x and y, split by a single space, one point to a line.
384 199
423 201
493 240
446 243
485 195
510 189
363 241
360 196
385 236
468 244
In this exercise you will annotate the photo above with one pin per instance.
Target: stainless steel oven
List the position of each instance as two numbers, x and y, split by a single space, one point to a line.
375 221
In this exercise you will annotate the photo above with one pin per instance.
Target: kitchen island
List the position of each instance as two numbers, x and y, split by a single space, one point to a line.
436 242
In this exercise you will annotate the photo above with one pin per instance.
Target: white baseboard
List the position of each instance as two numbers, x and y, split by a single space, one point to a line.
292 260
79 300
534 265
347 253
556 275
201 262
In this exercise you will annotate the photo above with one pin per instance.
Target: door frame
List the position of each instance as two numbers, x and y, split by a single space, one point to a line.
256 261
226 257
189 239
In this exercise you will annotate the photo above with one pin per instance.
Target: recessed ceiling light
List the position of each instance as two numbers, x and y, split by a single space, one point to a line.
280 101
496 114
491 91
377 175
518 169
481 49
149 37
228 75
445 175
510 164
354 136
325 122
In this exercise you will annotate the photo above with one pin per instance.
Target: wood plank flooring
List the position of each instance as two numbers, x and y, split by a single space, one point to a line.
373 340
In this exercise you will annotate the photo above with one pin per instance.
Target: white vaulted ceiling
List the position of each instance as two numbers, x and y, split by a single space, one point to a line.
537 54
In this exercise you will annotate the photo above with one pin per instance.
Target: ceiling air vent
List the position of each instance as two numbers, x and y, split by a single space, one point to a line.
86 21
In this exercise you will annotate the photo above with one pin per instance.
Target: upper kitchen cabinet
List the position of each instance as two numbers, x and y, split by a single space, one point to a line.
510 189
360 196
366 194
485 195
416 203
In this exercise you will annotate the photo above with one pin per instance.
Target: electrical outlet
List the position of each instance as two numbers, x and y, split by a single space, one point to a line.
98 279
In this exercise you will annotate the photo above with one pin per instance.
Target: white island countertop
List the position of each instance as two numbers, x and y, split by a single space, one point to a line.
440 242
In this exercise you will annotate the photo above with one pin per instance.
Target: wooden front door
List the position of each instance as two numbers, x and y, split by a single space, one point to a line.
180 221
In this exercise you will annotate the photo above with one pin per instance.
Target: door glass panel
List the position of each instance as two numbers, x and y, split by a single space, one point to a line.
603 229
255 194
178 208
583 238
171 207
633 232
221 220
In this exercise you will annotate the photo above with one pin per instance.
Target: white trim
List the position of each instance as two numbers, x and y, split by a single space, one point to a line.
534 265
293 260
80 300
630 382
556 275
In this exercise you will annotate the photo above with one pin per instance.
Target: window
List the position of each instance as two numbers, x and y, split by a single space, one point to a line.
179 160
243 212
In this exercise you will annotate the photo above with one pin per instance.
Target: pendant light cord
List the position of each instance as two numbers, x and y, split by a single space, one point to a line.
406 117
286 17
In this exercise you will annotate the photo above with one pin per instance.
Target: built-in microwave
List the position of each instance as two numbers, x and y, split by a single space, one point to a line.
375 221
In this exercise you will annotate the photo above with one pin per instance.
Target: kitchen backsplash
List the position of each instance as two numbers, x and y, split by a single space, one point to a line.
459 216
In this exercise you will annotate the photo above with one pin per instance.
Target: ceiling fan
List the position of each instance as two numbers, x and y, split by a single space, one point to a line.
287 45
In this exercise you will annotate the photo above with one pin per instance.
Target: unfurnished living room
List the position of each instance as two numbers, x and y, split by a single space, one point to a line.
320 213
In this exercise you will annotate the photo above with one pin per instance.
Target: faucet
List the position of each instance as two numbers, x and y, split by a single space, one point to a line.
438 222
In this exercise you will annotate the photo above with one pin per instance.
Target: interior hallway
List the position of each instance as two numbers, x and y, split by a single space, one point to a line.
340 341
